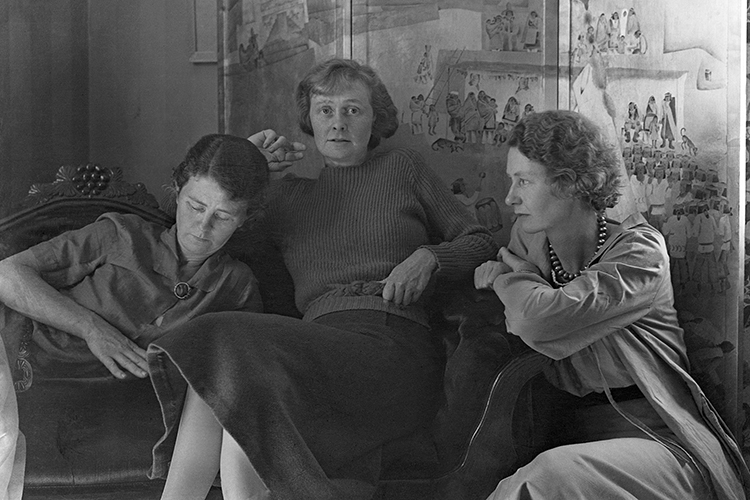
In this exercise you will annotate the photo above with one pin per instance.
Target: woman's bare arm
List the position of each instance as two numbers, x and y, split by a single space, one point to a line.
23 289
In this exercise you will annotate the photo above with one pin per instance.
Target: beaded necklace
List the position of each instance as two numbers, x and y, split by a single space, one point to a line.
560 276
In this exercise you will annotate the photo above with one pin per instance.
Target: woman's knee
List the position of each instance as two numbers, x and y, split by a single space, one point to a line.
544 477
562 472
556 464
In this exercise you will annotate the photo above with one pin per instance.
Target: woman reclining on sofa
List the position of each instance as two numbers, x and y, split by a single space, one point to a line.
99 295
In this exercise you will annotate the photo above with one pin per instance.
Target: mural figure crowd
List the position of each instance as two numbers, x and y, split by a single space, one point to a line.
681 194
458 112
473 120
687 202
512 31
619 34
457 108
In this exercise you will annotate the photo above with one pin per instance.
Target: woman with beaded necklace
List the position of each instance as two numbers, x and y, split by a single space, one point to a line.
596 297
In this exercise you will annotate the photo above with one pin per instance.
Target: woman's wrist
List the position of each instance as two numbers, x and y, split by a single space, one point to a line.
429 259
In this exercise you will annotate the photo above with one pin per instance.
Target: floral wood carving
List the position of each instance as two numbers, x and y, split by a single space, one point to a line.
90 181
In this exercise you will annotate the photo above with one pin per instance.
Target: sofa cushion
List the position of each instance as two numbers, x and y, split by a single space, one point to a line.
89 431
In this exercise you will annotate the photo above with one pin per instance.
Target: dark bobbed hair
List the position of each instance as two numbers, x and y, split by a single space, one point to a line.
333 76
234 163
579 161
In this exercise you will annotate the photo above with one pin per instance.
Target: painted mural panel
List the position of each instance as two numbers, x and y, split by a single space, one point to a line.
654 76
265 48
461 73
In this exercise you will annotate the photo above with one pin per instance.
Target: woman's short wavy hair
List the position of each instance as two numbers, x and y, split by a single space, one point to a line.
234 163
333 76
579 161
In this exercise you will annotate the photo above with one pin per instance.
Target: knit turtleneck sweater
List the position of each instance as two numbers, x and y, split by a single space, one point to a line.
344 232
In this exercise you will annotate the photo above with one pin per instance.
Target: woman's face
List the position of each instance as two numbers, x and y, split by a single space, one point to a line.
342 125
535 202
206 218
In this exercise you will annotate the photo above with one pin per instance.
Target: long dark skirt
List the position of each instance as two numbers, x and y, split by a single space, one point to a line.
311 403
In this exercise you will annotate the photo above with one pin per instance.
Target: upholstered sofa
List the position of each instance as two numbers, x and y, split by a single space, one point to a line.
92 438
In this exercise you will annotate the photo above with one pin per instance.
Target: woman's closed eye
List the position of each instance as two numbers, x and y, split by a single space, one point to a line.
219 216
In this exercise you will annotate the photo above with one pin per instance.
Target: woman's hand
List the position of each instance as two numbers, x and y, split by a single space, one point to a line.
486 274
279 151
516 263
115 350
408 280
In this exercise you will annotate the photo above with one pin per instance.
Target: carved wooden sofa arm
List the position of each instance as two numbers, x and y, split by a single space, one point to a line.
78 195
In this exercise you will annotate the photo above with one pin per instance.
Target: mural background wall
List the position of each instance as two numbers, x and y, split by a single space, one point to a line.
663 79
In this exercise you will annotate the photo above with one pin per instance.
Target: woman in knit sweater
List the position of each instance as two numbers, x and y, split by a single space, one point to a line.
301 408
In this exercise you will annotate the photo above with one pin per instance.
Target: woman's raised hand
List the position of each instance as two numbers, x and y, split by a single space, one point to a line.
280 152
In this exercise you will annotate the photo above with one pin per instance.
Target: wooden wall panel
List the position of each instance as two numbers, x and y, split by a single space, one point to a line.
43 92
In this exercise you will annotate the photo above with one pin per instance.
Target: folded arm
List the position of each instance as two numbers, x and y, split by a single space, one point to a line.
612 294
23 289
461 245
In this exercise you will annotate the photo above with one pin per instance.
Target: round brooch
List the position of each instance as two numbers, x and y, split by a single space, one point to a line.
182 290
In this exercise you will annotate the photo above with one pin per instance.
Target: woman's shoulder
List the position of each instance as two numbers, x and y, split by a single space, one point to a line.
130 231
281 190
636 238
636 226
130 223
404 154
289 179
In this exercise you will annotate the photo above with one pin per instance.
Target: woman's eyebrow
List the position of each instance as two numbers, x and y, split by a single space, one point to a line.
218 209
196 200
